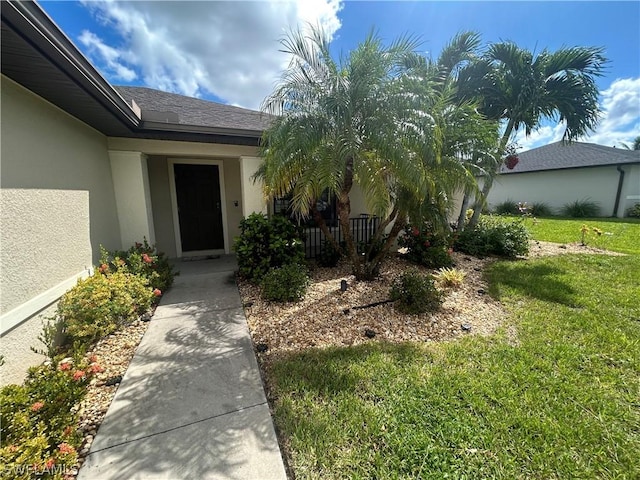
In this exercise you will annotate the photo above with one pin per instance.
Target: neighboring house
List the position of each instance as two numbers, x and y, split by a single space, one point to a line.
560 173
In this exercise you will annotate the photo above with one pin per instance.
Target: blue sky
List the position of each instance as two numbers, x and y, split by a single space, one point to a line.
228 51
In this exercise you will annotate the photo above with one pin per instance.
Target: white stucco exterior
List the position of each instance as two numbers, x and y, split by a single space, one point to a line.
556 188
252 199
58 206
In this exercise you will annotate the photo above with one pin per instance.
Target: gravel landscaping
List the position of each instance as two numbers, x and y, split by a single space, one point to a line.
325 317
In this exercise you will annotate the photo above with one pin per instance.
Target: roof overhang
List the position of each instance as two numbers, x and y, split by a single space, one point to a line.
39 56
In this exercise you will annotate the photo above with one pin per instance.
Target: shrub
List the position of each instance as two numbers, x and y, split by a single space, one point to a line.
38 420
634 211
415 293
141 259
267 243
100 304
581 209
285 284
329 254
495 236
541 209
508 207
426 247
449 277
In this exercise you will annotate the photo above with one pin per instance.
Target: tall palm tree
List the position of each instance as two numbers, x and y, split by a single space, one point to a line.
521 88
356 120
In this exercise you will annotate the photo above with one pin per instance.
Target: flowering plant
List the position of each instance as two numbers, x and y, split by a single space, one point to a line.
426 247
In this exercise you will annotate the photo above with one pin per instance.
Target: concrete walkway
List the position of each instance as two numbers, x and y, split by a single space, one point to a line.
191 405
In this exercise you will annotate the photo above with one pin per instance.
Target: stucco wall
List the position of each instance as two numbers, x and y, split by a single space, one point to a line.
57 206
559 187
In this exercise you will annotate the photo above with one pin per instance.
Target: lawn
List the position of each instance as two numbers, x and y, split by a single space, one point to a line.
620 235
555 394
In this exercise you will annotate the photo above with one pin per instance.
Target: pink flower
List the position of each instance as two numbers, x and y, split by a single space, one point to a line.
64 366
104 268
49 464
427 243
78 375
157 292
66 448
415 232
37 406
146 258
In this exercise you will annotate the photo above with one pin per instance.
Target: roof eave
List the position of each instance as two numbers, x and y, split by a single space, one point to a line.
197 129
37 28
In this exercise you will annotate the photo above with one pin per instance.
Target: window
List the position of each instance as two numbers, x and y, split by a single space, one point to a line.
326 205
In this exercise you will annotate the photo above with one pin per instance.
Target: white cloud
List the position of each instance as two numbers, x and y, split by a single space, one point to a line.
619 123
620 120
109 56
228 49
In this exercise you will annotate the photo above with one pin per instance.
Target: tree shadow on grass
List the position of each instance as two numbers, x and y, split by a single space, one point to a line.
536 280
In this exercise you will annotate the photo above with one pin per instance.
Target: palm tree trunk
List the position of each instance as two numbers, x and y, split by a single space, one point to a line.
463 212
373 266
344 211
325 230
486 188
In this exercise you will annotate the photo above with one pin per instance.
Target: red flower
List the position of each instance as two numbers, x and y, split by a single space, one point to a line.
95 368
37 406
78 375
66 448
146 258
64 366
415 231
427 243
157 292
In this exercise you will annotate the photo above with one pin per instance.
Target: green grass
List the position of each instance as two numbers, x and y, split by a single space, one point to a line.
560 400
620 235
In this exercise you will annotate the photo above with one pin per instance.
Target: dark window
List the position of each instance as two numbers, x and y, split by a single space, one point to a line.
326 205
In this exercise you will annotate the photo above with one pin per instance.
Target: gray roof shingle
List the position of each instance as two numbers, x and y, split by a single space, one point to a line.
192 111
559 155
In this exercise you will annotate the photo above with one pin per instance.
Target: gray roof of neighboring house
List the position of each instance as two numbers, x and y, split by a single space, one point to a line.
164 107
560 155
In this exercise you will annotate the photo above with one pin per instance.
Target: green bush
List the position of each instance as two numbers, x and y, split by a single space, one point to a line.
415 293
541 209
141 259
425 247
508 207
634 211
581 209
100 304
329 254
495 236
267 243
285 284
38 420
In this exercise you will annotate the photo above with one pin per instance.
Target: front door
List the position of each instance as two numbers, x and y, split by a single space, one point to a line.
199 207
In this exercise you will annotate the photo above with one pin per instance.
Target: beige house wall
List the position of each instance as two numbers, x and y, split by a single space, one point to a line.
58 206
559 187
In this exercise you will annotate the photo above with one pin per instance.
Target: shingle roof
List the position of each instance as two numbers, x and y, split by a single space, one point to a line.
192 111
559 155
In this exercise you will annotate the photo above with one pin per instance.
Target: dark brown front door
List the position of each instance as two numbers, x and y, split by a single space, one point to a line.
199 207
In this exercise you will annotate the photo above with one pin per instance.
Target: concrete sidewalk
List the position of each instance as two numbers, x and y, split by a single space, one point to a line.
191 405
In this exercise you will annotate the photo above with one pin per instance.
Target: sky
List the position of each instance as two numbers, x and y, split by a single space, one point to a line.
229 52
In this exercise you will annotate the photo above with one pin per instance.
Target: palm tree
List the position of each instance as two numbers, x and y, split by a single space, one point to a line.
636 144
518 87
357 120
